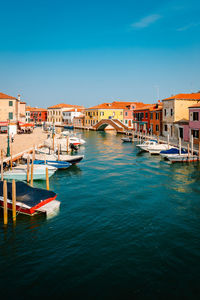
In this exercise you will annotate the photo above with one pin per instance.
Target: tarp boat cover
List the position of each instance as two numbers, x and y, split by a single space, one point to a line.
28 199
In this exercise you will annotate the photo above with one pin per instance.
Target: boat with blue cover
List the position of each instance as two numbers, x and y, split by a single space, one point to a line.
54 163
30 200
172 152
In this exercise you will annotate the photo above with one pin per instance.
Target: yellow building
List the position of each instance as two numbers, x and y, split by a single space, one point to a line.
102 111
175 109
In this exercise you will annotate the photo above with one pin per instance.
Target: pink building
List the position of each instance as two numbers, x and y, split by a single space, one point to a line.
128 113
194 122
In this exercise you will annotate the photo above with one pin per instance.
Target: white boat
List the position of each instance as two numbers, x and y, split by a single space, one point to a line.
183 158
46 154
156 149
65 133
20 172
63 142
147 144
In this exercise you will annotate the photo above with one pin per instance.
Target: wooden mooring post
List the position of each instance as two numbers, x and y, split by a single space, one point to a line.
47 179
32 173
5 205
28 164
188 148
1 165
14 200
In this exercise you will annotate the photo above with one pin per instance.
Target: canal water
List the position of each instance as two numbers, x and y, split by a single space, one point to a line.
128 228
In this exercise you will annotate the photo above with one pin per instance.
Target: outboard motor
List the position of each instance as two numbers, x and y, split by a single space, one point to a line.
73 147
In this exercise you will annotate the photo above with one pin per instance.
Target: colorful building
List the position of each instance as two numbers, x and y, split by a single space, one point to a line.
175 108
194 122
36 115
156 119
79 121
114 110
141 118
129 113
55 112
70 114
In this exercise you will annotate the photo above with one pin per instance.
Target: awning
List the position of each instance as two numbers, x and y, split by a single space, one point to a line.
27 125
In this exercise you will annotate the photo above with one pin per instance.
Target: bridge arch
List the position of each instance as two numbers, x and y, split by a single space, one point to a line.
116 124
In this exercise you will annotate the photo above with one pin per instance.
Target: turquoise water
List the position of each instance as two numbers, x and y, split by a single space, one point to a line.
128 228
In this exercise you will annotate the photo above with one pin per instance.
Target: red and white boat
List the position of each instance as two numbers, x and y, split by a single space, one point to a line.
30 200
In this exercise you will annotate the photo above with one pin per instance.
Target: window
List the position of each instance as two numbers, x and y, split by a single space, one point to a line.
94 113
157 127
195 116
157 116
126 114
146 115
10 103
151 116
165 112
85 121
171 112
195 134
165 128
126 121
10 115
93 121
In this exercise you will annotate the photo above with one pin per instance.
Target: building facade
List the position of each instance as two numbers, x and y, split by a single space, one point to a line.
55 112
36 115
194 123
141 118
70 114
156 119
175 109
79 121
129 113
114 110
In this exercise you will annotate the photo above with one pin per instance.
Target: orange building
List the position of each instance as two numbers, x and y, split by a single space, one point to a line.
156 119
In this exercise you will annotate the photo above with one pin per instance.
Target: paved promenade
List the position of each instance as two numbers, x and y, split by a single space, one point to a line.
23 141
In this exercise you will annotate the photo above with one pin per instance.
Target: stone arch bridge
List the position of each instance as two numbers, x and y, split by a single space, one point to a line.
116 124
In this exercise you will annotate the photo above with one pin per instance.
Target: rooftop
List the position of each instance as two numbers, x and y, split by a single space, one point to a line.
113 105
4 96
192 96
29 108
195 105
63 105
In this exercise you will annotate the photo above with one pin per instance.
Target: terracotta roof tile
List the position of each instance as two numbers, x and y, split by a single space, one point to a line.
113 105
193 96
4 96
63 105
29 108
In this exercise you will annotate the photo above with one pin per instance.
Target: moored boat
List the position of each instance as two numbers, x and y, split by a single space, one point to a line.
183 158
127 139
20 172
146 144
29 200
172 152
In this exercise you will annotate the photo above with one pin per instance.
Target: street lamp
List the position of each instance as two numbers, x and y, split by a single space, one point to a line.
8 140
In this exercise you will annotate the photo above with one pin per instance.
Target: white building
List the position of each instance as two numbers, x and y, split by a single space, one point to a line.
69 114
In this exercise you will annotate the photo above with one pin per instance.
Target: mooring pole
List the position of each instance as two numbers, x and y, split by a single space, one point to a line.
28 164
1 165
5 205
14 200
47 179
32 173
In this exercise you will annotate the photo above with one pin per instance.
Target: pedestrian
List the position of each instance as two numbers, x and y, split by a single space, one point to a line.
12 137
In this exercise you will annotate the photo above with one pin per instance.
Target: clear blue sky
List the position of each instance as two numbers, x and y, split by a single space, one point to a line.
88 52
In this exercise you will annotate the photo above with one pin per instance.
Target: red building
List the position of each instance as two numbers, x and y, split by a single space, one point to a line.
36 115
141 118
156 119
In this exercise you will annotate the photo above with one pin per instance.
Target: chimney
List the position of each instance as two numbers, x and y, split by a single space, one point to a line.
19 97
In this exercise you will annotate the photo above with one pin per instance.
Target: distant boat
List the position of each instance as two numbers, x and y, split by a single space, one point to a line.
183 158
29 200
68 127
172 152
20 172
157 148
127 139
146 144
